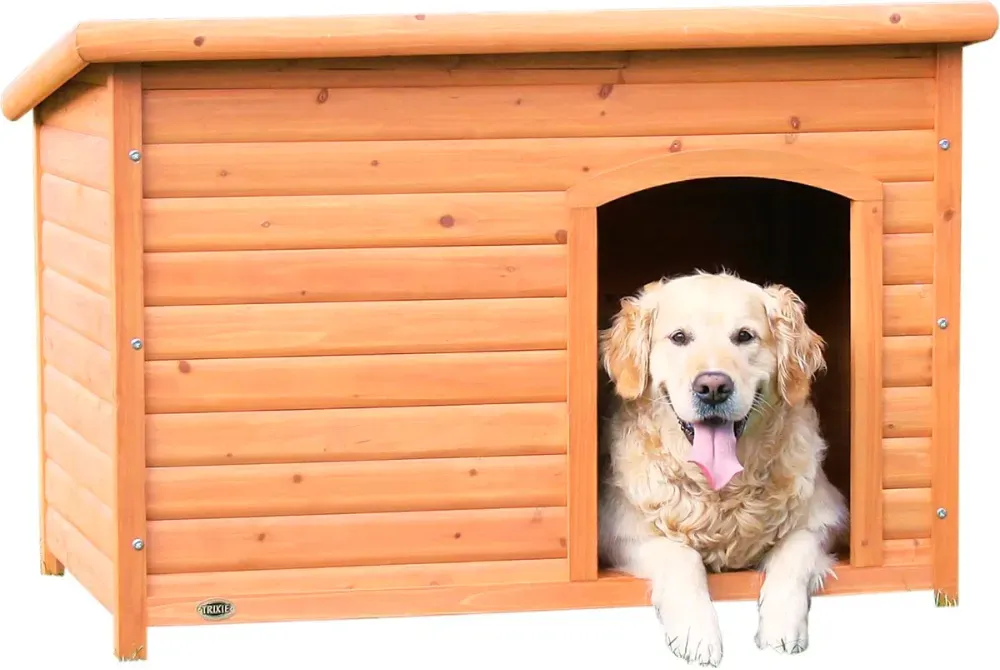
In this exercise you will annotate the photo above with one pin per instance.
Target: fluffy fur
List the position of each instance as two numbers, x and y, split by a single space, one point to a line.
659 519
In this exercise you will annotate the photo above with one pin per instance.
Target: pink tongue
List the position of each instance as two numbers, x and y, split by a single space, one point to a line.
714 449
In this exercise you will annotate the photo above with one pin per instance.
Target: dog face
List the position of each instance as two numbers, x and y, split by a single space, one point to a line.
714 347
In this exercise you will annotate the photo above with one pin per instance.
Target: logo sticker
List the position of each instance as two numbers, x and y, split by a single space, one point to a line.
216 609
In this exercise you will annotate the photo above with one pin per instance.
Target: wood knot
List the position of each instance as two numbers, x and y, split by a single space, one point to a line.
605 91
895 18
262 537
323 95
223 173
265 224
374 163
511 268
229 454
586 169
603 113
420 17
447 221
519 101
561 236
184 367
949 214
458 536
794 122
473 472
198 41
675 146
562 542
297 479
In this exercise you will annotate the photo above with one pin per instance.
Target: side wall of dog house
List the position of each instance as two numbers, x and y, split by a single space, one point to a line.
356 281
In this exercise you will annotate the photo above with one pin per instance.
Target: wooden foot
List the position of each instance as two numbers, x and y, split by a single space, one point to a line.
51 565
942 599
138 654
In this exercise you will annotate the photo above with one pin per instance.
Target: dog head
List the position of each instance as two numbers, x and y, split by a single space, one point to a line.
715 348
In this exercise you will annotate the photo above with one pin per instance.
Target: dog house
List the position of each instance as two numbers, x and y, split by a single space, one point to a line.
319 298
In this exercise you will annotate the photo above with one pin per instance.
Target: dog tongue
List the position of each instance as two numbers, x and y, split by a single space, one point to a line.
714 449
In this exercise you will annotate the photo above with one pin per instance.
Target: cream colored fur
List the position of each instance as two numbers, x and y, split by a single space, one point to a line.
658 517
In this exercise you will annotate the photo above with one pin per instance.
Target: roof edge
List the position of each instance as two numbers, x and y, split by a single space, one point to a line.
963 22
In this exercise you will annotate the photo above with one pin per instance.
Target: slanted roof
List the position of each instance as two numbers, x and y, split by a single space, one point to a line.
423 35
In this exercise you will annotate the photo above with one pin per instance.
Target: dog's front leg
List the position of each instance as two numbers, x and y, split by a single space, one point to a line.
680 595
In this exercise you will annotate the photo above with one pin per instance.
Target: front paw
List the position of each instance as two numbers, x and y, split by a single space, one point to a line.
691 629
784 622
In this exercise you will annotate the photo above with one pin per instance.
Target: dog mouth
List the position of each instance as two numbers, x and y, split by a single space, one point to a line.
715 422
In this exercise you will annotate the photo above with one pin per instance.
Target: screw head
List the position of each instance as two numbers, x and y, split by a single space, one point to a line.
134 155
137 344
942 512
945 144
942 323
138 544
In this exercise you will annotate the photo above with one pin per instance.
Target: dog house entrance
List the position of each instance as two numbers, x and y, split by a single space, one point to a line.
765 231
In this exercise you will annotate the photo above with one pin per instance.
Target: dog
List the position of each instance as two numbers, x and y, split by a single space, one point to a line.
711 459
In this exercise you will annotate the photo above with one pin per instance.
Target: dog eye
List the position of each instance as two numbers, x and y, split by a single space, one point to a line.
680 338
743 336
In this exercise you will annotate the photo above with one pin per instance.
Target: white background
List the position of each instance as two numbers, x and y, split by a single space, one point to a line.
52 621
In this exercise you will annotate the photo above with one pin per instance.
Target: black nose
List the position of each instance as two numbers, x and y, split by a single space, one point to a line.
713 388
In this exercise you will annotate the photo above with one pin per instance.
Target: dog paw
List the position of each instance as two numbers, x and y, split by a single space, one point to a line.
691 630
784 624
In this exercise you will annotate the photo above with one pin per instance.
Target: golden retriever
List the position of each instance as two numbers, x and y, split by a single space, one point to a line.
712 457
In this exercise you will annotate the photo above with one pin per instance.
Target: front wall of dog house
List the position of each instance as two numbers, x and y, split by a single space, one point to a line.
356 295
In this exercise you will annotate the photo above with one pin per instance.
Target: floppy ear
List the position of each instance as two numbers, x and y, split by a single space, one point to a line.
625 348
800 349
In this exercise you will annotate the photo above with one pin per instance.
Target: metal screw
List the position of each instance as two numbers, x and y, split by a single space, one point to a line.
137 344
942 323
944 144
134 155
138 544
942 512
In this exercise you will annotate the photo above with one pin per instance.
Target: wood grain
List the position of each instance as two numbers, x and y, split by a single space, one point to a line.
866 383
907 360
76 207
84 561
320 329
80 409
203 545
330 382
46 74
74 305
379 433
322 275
91 517
908 513
82 108
907 411
908 259
355 488
906 462
86 363
331 222
85 464
84 159
330 168
908 552
908 309
77 257
909 207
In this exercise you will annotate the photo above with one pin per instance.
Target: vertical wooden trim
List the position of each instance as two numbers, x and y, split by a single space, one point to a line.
50 565
129 392
582 394
866 383
947 262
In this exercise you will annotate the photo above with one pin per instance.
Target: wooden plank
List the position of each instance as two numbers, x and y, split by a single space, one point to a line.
84 159
330 382
320 329
129 380
908 259
380 433
80 409
77 257
49 71
328 168
906 462
552 69
84 561
322 275
866 383
163 588
74 305
609 590
581 383
76 207
80 507
355 488
87 363
204 545
909 207
504 112
80 107
84 463
331 222
907 411
908 513
909 309
908 552
907 360
947 302
49 564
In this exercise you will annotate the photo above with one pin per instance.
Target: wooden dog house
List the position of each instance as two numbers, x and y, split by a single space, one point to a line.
319 298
